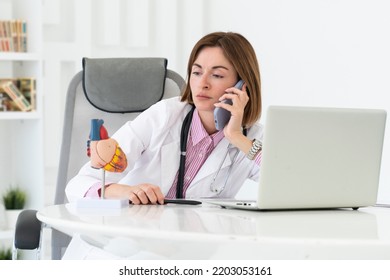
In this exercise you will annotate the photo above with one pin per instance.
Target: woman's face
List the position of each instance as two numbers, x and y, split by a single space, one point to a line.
211 75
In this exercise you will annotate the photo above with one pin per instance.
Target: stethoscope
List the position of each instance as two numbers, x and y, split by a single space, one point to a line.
185 129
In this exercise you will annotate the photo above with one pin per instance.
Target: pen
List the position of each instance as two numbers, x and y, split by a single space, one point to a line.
179 201
182 201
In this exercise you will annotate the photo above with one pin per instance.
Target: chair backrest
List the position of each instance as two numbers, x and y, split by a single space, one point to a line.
119 88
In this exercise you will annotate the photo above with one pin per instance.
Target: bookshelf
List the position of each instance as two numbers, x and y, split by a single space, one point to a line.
21 141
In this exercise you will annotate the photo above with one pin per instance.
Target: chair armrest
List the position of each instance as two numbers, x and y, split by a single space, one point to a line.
27 231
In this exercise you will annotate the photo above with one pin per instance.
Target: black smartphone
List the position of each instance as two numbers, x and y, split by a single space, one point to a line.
222 116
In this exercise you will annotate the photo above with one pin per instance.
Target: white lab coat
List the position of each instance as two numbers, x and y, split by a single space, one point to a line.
151 143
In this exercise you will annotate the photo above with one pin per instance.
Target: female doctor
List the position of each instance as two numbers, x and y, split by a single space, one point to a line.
216 162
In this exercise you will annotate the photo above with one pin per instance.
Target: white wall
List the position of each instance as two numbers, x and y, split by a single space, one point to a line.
321 52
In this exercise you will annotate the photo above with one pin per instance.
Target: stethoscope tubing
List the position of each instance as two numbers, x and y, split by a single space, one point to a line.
185 129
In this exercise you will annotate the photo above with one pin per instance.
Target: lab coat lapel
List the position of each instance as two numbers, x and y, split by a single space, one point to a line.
170 159
213 162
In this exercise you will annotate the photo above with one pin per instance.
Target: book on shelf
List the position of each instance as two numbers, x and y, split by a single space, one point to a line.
28 87
13 35
18 94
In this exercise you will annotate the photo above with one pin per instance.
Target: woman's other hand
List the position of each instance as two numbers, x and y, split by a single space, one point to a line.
138 194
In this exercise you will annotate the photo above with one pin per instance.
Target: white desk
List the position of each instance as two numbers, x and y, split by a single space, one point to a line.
209 232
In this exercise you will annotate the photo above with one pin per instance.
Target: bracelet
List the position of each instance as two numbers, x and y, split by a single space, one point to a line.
256 147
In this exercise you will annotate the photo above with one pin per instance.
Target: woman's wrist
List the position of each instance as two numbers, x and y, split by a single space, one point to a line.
243 143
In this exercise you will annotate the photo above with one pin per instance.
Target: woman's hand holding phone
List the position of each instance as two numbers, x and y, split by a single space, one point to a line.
221 115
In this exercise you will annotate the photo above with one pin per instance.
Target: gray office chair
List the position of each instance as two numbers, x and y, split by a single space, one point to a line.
115 90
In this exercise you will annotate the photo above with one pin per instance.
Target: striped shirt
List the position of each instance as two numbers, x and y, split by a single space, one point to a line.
199 146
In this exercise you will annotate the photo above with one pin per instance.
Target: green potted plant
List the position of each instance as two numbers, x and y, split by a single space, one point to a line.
14 200
5 254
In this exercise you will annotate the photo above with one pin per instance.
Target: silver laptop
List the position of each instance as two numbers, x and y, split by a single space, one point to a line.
318 158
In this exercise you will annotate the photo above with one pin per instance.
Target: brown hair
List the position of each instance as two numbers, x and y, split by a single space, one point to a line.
242 56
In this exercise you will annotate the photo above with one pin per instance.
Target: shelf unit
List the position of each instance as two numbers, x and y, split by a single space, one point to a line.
21 141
